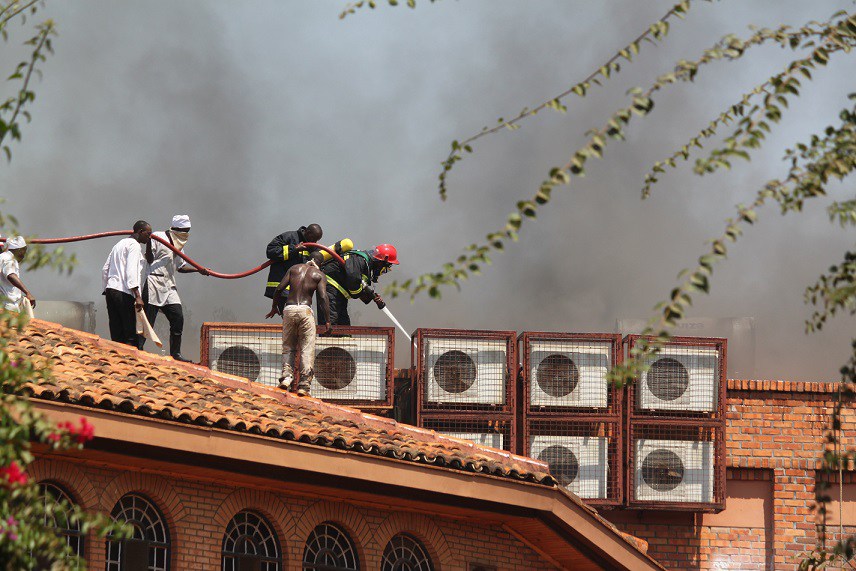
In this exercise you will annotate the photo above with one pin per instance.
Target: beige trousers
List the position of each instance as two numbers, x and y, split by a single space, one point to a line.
298 331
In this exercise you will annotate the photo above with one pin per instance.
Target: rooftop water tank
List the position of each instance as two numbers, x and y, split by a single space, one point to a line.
78 315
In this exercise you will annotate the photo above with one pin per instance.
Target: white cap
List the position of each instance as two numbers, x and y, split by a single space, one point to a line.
15 243
181 221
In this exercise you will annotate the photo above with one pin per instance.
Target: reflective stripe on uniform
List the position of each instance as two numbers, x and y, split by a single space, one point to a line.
336 285
275 284
358 291
285 252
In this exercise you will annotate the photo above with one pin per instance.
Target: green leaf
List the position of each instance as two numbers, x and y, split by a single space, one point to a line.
543 195
527 208
700 281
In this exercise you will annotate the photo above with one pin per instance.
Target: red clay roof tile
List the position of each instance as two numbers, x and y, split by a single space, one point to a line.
94 372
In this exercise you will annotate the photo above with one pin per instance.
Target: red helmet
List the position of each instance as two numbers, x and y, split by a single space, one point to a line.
386 253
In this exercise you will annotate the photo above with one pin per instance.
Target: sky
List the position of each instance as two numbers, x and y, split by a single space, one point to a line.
259 117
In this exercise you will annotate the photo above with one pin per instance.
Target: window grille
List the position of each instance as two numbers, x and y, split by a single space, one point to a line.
405 553
250 543
148 547
328 548
59 518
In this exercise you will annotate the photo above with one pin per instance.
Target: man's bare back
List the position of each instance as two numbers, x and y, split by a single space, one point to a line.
304 281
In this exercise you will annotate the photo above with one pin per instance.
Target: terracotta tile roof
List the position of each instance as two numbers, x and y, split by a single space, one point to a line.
94 372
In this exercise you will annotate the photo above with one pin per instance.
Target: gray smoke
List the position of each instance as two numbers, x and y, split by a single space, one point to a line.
257 118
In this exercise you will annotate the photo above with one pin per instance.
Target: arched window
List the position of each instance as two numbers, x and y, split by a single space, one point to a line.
59 518
328 548
405 553
148 548
250 543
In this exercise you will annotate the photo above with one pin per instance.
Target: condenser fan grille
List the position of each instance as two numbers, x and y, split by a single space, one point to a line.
557 375
455 371
563 463
668 379
566 372
463 372
335 368
240 361
663 470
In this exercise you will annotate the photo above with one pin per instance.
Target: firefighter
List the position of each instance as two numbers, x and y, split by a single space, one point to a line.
354 281
287 250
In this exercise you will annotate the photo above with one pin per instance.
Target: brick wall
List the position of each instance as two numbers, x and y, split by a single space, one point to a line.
197 513
774 438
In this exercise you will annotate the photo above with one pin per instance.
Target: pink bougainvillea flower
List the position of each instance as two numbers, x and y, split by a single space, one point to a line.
81 434
13 474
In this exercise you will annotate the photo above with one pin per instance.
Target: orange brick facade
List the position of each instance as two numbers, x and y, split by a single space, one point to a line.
197 513
775 432
775 435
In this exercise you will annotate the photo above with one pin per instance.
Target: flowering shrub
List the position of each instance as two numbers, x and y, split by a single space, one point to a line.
11 475
82 434
23 512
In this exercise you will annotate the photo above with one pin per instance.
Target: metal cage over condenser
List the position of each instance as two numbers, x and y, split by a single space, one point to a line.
675 421
466 384
584 455
565 374
353 366
571 415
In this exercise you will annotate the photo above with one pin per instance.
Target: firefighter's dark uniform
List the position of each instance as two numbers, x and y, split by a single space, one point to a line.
351 282
282 254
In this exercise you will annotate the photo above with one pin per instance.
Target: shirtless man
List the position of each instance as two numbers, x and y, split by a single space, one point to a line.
298 323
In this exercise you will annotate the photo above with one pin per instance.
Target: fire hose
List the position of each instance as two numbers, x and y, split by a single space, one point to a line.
178 252
193 263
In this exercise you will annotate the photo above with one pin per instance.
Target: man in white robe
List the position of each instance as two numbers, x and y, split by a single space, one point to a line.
161 292
12 289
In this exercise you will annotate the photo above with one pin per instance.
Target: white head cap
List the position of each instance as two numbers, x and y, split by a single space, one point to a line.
15 243
181 221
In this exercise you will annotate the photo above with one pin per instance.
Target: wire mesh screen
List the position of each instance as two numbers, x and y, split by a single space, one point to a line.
566 372
494 433
460 370
583 456
676 466
686 377
352 366
245 350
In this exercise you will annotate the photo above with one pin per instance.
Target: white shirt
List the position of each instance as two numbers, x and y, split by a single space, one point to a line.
160 275
9 265
122 269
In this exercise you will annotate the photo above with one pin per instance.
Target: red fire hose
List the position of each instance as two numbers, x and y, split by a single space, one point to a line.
166 243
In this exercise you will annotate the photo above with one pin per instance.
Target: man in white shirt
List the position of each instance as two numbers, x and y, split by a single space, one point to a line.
160 291
120 278
12 289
